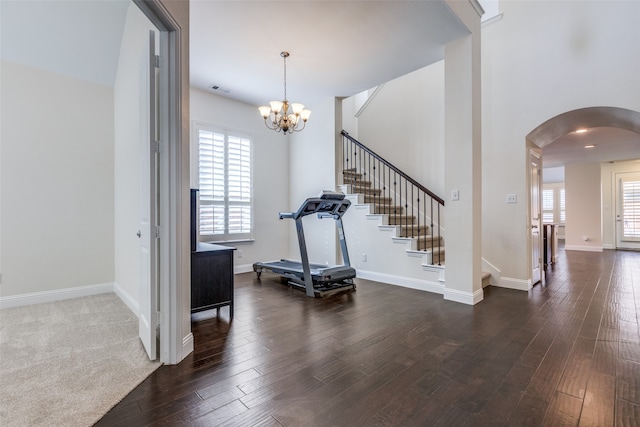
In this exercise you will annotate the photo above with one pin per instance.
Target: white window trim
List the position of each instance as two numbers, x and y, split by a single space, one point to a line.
209 127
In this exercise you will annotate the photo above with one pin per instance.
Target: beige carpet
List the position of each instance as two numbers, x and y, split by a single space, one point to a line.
67 363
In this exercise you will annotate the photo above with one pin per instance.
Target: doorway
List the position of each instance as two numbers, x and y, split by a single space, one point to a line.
627 210
535 216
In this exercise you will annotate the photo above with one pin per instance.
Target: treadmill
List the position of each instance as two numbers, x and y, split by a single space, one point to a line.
315 279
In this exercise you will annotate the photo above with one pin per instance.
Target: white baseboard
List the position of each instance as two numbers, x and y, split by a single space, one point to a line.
187 346
54 295
244 268
407 282
463 297
132 303
511 283
583 248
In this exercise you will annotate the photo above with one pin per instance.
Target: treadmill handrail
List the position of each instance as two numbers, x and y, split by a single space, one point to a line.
334 207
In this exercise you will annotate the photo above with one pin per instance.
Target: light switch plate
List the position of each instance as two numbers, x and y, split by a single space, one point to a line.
455 194
512 198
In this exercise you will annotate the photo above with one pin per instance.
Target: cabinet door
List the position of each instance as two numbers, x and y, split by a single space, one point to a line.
211 278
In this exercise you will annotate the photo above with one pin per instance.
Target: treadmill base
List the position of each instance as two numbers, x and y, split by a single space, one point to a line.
323 289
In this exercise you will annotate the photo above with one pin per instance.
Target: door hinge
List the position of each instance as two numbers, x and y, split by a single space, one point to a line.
158 318
156 232
157 61
156 146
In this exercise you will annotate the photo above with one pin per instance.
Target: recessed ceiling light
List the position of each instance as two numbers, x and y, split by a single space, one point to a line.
581 130
589 146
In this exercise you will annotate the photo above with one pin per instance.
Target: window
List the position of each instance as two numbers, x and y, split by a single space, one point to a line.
553 210
225 183
631 210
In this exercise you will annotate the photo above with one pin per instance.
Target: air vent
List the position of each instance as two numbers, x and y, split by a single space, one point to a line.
220 89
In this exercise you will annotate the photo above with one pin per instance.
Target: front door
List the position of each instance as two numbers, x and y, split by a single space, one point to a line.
628 210
148 233
534 170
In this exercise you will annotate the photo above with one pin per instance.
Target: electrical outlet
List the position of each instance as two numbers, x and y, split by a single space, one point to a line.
239 253
512 198
364 257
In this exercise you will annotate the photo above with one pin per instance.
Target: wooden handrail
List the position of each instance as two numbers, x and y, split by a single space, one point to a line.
394 168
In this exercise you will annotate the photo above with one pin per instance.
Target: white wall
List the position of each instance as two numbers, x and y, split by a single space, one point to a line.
131 130
57 181
271 175
311 170
542 59
404 123
583 207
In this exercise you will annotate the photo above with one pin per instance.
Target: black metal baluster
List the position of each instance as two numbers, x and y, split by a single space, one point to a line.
432 235
439 260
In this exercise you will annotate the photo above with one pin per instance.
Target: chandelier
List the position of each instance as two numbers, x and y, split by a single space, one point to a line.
277 117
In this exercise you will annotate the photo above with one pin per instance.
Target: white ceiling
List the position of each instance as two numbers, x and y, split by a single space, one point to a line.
338 48
611 144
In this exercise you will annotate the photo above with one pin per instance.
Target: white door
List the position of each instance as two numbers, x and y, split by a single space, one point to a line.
534 162
628 210
148 233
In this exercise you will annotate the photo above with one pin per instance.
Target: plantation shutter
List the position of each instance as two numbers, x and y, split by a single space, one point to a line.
547 205
631 209
225 183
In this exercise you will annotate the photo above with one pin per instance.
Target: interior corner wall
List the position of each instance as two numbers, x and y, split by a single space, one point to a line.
311 170
404 123
578 58
583 207
270 180
57 181
131 128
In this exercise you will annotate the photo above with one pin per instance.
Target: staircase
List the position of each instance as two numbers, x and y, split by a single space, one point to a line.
394 221
406 225
410 208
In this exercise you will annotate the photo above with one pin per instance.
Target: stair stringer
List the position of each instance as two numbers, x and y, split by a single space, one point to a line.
377 254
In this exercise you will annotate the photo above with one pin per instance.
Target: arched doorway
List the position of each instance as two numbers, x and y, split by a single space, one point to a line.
585 139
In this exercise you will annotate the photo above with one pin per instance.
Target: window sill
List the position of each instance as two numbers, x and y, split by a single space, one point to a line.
228 241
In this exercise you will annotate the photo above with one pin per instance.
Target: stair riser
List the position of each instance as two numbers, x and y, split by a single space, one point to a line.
370 198
365 190
435 255
390 210
357 183
401 220
415 231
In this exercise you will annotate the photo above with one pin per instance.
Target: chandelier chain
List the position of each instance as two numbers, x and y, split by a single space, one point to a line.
285 76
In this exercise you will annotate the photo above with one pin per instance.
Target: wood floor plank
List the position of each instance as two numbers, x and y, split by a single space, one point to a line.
599 402
627 414
564 353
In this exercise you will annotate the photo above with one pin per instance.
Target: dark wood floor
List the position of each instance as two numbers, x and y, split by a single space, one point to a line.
565 354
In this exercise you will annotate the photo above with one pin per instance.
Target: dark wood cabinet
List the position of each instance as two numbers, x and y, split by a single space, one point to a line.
211 277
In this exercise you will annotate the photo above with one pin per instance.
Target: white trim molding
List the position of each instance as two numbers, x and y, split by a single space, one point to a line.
511 283
583 248
463 296
244 268
187 345
131 302
406 282
55 295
